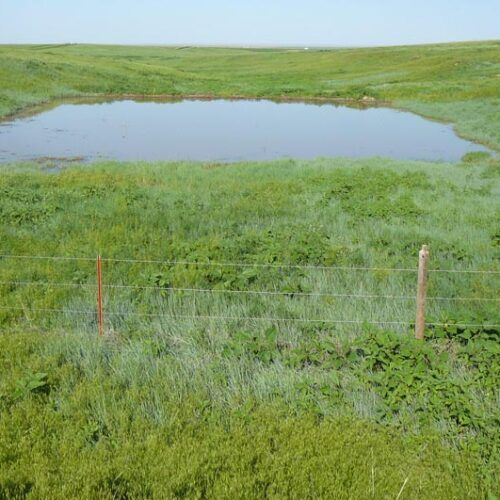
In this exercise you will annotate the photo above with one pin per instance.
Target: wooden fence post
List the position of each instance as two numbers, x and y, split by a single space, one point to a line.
100 316
423 260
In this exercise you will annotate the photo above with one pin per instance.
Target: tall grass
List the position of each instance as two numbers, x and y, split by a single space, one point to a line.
339 213
183 406
103 429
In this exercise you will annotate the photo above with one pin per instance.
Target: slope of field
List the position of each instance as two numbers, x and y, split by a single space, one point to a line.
186 397
453 82
258 317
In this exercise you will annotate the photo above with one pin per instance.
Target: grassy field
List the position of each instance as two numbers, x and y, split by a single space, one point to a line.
453 82
236 407
203 385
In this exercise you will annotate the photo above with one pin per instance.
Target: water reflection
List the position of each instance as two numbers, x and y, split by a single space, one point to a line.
225 130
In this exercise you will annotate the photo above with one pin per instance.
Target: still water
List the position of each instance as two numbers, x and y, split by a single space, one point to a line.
225 130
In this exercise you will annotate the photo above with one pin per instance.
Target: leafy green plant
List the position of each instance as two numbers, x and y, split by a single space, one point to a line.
380 198
406 372
323 353
32 383
262 346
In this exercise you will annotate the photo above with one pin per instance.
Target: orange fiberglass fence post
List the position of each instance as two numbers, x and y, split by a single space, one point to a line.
100 315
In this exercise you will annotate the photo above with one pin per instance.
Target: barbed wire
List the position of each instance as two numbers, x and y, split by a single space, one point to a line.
49 284
464 271
261 265
249 265
47 309
47 257
245 318
245 292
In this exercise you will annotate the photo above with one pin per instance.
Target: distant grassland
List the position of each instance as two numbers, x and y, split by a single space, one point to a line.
453 82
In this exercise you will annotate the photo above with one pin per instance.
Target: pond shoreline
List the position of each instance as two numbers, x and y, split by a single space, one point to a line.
52 102
45 105
203 128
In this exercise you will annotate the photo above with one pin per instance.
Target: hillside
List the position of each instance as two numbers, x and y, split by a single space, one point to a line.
457 82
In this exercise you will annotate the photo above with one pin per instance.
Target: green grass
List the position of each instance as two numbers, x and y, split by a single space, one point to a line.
235 407
184 397
96 431
366 213
453 82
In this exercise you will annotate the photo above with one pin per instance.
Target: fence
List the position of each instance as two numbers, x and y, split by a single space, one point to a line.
420 296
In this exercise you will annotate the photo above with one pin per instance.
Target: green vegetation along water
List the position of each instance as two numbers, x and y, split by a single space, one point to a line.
457 82
176 406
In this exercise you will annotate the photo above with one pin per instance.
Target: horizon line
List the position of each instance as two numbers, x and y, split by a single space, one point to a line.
251 46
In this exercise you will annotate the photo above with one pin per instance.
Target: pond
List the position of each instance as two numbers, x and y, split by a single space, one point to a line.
225 130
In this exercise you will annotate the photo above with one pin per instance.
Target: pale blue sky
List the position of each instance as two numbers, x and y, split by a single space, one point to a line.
255 22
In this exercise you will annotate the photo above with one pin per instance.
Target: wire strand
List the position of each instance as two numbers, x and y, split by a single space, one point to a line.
47 257
263 265
47 309
246 292
249 318
246 264
464 271
261 292
49 284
